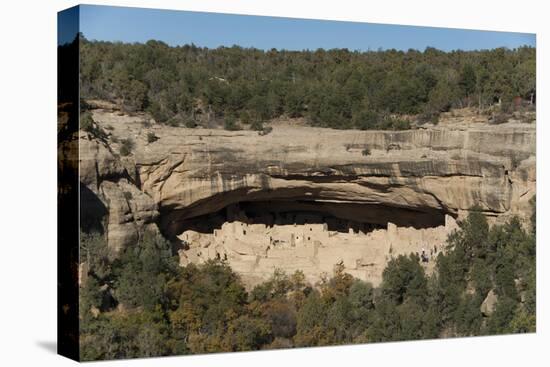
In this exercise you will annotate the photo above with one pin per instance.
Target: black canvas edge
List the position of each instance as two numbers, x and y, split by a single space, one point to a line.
68 183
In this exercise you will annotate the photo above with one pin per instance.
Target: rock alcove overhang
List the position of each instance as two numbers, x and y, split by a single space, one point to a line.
273 208
405 193
192 174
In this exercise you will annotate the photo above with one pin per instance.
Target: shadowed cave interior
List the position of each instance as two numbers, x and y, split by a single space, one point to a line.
338 216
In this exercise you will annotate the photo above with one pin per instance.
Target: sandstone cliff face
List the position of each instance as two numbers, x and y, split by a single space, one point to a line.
403 177
108 190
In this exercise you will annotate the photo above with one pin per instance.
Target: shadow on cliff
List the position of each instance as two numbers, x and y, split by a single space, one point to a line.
338 217
92 211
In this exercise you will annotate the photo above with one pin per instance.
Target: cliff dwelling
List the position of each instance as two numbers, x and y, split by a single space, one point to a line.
257 238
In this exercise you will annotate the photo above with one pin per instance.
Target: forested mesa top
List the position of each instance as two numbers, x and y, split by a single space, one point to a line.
334 88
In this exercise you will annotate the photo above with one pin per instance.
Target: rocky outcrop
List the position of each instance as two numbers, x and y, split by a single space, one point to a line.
190 173
131 212
488 305
108 192
407 176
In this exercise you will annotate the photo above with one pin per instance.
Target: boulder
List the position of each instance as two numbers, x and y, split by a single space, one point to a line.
488 305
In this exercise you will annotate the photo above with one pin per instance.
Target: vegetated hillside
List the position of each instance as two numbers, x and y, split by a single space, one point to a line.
333 88
145 305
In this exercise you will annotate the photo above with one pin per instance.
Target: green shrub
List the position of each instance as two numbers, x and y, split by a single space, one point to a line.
257 125
88 124
429 117
126 147
266 130
86 121
190 124
365 151
366 120
127 195
400 124
151 137
230 123
527 118
244 117
157 112
499 118
174 122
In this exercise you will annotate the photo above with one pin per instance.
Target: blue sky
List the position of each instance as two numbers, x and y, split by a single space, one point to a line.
213 30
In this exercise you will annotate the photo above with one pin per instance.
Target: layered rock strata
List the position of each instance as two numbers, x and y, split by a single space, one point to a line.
410 178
